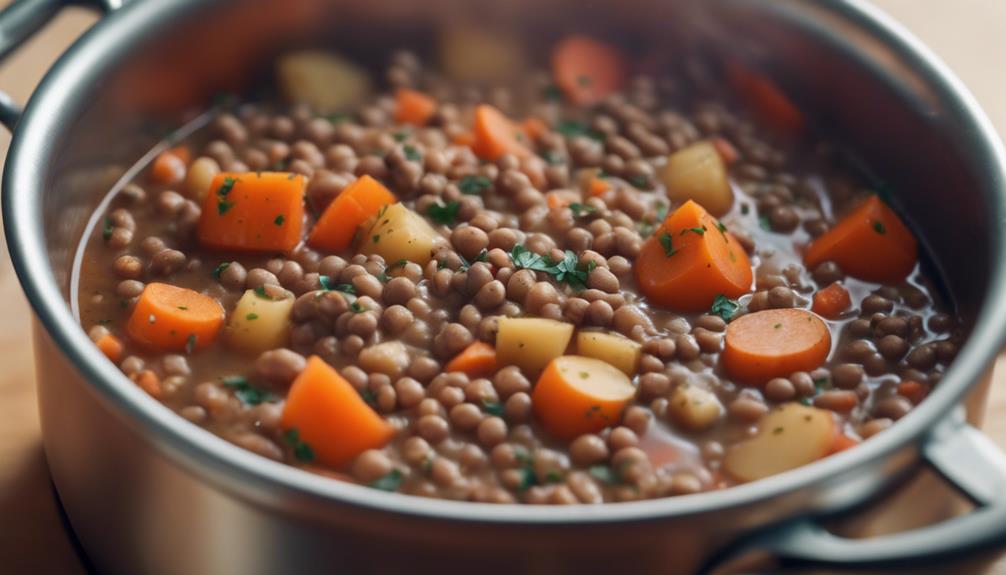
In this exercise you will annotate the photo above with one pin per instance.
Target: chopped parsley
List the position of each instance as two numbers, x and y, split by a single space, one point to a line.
369 397
412 154
220 269
820 384
573 129
777 326
339 118
279 220
301 450
567 270
528 479
251 317
492 407
390 482
246 392
190 343
640 182
604 474
721 227
665 240
260 292
474 185
399 264
879 227
106 231
356 307
764 223
400 136
661 211
696 230
376 238
581 209
326 284
443 214
552 157
724 307
223 206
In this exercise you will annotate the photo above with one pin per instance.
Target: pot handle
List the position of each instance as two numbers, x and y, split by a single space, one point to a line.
962 455
19 21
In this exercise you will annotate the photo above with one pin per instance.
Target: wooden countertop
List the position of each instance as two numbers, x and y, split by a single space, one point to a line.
969 34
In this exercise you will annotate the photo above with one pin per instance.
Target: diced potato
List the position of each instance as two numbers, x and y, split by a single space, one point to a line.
259 323
615 349
694 408
200 177
400 234
789 436
322 80
530 343
470 54
698 173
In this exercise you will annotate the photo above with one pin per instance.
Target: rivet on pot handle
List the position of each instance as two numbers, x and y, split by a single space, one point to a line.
960 453
19 21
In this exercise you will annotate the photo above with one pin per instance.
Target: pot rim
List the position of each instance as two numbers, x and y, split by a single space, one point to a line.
231 468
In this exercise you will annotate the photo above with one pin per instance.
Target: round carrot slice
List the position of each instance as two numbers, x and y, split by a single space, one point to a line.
495 135
690 259
587 70
171 318
774 343
577 395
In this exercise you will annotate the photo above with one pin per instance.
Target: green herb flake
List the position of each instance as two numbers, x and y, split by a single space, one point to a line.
106 231
696 230
278 220
411 153
369 397
777 431
492 407
721 227
581 209
879 227
443 214
190 343
669 249
640 182
220 269
247 393
528 479
573 129
604 474
474 185
301 450
764 223
399 264
390 482
400 136
376 238
260 292
820 384
724 307
553 477
661 211
251 317
552 157
777 326
356 307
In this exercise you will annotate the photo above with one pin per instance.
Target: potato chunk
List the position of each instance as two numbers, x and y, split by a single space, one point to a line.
324 81
698 173
694 408
259 322
615 349
530 343
400 234
471 54
789 436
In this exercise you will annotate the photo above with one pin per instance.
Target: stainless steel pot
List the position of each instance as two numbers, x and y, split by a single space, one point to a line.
146 492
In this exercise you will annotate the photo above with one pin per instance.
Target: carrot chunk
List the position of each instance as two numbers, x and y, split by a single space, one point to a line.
577 395
168 167
413 107
534 128
690 259
330 417
767 100
170 318
774 343
871 243
913 391
597 186
149 382
253 211
587 70
726 150
359 202
831 301
477 360
111 346
843 442
495 135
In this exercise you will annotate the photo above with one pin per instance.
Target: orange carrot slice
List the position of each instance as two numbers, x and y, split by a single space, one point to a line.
913 391
577 395
831 301
359 202
534 128
690 259
774 343
495 135
597 186
149 382
476 360
726 150
253 211
561 198
587 70
111 346
413 107
168 168
170 318
843 442
772 106
871 243
330 417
